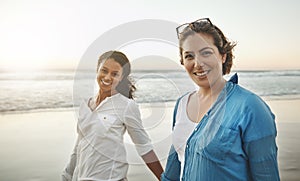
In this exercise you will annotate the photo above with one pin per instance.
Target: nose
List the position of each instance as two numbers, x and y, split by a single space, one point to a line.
107 77
198 61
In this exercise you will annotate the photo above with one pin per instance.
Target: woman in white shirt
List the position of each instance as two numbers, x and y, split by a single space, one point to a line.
99 153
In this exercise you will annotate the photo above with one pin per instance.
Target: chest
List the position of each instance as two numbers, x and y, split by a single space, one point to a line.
197 108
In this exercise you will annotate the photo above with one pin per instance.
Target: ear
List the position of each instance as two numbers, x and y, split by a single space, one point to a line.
224 58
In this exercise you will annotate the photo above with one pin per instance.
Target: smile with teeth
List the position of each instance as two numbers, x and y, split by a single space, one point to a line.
204 73
105 83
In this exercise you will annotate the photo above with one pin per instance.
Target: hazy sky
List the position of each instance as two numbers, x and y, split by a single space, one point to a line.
37 34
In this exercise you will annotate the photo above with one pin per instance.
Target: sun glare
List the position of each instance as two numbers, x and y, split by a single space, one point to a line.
23 65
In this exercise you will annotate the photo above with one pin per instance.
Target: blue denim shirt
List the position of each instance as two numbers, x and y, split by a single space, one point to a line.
235 140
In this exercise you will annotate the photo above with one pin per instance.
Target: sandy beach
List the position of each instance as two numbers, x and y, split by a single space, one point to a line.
35 146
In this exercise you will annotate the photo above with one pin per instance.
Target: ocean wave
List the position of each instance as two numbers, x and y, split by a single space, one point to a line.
55 90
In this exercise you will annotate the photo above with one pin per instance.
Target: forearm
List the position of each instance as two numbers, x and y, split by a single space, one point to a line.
153 164
263 159
70 167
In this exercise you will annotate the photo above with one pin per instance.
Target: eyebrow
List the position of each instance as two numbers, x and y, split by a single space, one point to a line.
114 71
201 49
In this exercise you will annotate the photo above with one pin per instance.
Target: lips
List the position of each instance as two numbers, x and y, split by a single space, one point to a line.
106 83
201 73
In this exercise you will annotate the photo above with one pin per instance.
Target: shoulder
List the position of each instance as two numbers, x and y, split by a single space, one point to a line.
256 117
182 99
130 106
178 105
185 95
239 91
130 102
84 106
245 97
248 103
250 100
122 100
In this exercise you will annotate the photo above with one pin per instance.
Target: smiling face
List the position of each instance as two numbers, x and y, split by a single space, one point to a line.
202 60
108 76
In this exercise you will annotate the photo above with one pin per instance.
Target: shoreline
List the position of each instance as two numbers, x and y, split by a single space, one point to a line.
37 145
143 104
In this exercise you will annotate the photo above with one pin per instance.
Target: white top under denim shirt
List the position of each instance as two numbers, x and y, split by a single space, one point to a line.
183 128
235 141
99 153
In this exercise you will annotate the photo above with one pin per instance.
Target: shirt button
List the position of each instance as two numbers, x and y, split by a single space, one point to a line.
196 129
187 146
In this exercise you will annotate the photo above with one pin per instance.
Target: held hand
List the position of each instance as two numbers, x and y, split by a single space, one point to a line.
153 164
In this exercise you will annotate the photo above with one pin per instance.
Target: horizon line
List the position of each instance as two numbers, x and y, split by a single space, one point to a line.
138 70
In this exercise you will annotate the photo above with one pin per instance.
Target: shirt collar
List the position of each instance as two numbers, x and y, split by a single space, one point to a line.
234 79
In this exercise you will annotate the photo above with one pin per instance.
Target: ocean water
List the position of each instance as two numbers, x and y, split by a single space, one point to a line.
65 89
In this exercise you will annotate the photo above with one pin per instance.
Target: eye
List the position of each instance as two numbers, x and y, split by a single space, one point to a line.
115 74
103 71
188 56
206 53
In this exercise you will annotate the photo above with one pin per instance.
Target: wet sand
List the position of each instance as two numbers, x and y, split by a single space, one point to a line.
36 145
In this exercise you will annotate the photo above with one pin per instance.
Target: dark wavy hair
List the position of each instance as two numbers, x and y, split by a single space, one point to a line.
126 86
220 41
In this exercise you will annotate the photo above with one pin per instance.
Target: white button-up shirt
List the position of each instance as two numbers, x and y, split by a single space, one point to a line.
99 153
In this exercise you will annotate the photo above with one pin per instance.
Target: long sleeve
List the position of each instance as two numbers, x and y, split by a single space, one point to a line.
67 174
172 170
259 141
173 167
262 156
136 130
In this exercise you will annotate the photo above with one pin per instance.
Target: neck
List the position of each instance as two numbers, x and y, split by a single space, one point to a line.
104 94
213 90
